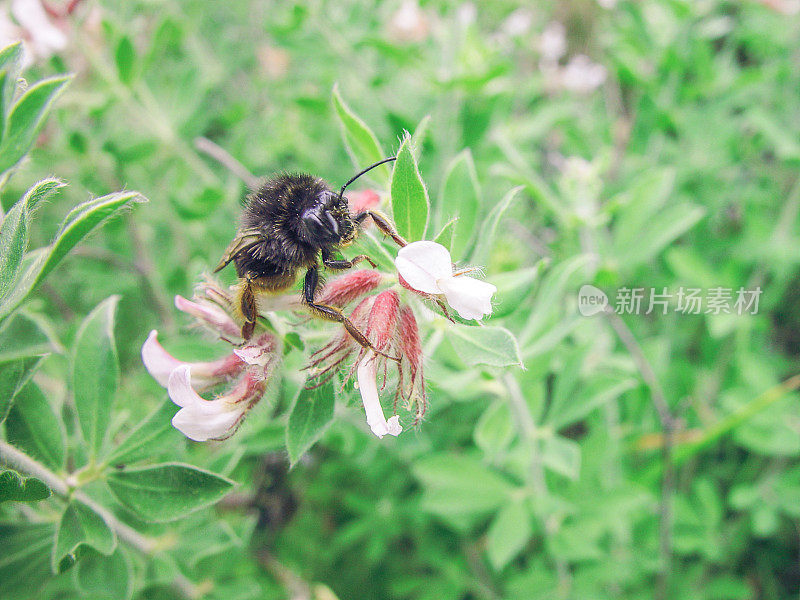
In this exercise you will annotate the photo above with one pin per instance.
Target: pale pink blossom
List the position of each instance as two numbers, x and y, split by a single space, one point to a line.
202 420
160 364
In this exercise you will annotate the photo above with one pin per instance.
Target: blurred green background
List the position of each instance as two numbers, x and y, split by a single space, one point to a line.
657 145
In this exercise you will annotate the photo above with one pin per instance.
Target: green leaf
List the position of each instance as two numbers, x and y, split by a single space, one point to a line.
14 374
42 190
562 455
80 527
445 236
78 224
17 488
150 436
509 532
26 118
459 488
493 346
13 243
106 577
95 373
361 143
572 407
419 135
10 64
25 557
495 429
311 414
489 228
168 491
409 196
125 58
34 428
461 197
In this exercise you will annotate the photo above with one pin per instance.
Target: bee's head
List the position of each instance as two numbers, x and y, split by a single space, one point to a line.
327 222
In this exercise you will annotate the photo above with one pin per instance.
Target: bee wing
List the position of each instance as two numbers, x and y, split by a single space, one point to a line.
243 240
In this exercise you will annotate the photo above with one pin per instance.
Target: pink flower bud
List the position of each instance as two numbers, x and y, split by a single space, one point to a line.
343 290
210 315
362 200
383 316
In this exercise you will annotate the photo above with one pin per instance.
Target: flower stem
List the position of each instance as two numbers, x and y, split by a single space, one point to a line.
23 463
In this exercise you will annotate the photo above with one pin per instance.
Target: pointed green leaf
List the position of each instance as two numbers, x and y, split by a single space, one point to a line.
14 374
311 414
570 408
125 57
445 236
494 346
489 229
13 243
461 197
10 63
168 491
17 488
42 190
361 143
419 135
509 532
95 373
14 232
80 526
409 196
78 224
32 426
26 118
562 455
150 436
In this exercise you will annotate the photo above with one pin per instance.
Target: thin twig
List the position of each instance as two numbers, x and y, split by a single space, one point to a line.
667 426
226 159
20 461
296 587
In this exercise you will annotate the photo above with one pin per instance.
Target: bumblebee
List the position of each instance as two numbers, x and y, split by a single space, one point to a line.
292 222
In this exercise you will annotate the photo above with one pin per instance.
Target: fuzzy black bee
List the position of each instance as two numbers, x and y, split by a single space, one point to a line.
289 223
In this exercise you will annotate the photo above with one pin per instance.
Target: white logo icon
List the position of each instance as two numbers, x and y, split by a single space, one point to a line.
591 300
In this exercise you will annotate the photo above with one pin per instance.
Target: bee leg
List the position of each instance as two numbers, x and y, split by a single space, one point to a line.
249 308
340 265
381 223
334 314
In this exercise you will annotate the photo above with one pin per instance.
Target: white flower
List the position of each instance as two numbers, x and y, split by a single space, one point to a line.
553 42
581 75
368 386
427 267
160 364
42 38
202 420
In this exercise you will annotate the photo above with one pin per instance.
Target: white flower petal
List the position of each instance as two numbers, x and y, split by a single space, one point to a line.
201 427
179 387
470 297
158 362
422 264
45 36
200 419
368 386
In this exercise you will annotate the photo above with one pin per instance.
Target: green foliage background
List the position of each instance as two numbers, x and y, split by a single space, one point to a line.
637 456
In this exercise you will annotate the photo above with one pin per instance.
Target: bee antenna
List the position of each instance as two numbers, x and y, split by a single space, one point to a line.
369 168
